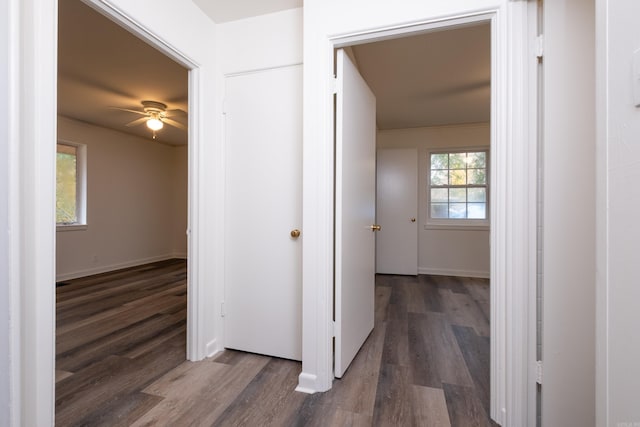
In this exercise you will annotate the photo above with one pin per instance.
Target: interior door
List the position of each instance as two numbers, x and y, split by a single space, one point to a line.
263 194
355 212
396 211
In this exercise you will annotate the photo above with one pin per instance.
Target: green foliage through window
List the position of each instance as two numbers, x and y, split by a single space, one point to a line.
458 185
66 184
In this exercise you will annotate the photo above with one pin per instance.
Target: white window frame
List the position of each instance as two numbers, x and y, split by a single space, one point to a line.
81 187
457 223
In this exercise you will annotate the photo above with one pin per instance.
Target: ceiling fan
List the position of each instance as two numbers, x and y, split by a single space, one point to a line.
155 116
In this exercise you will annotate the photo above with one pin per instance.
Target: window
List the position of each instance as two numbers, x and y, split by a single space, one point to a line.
458 188
70 185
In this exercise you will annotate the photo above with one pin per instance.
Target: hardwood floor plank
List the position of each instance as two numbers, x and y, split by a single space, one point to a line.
430 293
435 355
396 343
111 321
269 399
83 394
121 411
479 291
429 406
398 302
383 295
416 302
476 352
143 347
464 407
120 342
454 284
462 310
189 401
393 402
60 375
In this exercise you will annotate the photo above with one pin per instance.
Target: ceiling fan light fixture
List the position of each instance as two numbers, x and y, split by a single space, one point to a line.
154 124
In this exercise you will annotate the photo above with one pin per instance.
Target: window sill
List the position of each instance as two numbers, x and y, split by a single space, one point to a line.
458 227
72 227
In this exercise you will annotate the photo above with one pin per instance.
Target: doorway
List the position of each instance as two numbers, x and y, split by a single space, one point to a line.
510 255
399 118
122 266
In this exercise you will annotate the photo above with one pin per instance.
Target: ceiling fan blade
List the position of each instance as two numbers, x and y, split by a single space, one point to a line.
129 111
173 123
137 122
175 112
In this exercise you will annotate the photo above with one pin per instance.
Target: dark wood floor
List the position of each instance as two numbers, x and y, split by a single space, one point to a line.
121 360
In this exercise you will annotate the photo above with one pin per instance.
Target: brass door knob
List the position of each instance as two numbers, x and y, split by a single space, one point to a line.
375 227
295 233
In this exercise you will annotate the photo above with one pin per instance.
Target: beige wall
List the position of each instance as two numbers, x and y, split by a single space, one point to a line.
136 202
455 252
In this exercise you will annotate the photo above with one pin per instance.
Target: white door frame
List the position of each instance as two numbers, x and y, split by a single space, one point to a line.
32 186
513 212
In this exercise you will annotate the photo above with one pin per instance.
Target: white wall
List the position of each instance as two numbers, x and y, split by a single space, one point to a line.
456 252
267 41
5 312
568 342
136 202
618 200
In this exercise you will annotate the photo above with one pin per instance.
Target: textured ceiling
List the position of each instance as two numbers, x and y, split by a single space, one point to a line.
437 78
101 65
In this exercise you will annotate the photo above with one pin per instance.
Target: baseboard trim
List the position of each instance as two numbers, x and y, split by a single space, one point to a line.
307 383
456 273
179 255
112 267
212 348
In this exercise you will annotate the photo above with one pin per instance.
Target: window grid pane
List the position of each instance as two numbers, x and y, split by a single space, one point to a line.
458 182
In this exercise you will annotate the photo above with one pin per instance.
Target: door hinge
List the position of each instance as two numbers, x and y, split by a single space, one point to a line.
222 313
539 371
334 85
332 325
539 46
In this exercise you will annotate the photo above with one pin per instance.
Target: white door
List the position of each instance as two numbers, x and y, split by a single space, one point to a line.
263 193
396 211
355 213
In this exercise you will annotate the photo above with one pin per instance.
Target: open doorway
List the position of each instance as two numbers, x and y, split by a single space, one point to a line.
446 123
121 259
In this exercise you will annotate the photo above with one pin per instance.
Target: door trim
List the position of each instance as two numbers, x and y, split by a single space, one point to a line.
513 222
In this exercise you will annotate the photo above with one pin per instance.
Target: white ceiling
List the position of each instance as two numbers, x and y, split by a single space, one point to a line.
231 10
101 65
436 78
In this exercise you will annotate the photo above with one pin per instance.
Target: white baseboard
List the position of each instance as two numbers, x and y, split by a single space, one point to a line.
307 383
456 273
111 267
212 348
